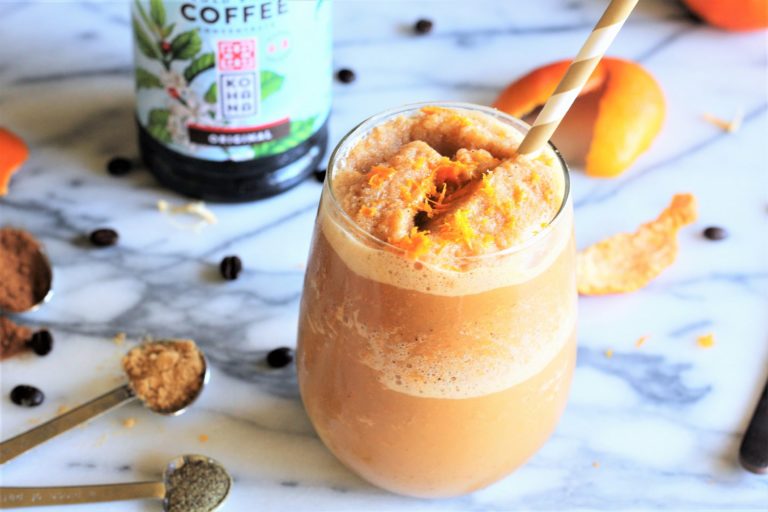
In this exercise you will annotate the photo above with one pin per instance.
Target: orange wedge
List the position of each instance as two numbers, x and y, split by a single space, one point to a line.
630 109
735 15
13 153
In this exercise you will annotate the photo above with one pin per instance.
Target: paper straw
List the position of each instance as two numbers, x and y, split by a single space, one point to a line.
576 76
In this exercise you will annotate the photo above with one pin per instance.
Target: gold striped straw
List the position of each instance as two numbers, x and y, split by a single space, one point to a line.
576 76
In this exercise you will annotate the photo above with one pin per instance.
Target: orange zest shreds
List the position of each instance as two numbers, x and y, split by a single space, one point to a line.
450 171
460 228
379 174
727 126
596 465
415 245
203 438
546 158
425 206
368 211
439 198
629 261
519 194
487 188
413 190
464 120
13 153
641 341
608 353
706 341
430 109
407 192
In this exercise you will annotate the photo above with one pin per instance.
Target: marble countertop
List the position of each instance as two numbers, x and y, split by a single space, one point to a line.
651 427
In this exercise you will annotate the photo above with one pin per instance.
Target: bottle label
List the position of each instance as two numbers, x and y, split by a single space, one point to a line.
232 79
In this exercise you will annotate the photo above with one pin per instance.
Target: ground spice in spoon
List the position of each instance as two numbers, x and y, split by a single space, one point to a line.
165 375
24 275
197 486
13 337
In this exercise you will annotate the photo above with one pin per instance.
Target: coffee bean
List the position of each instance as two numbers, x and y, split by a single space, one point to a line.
346 76
280 357
423 26
320 175
715 233
41 342
230 267
420 220
27 396
119 166
104 237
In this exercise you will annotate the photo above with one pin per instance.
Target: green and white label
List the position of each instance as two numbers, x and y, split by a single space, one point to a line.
232 79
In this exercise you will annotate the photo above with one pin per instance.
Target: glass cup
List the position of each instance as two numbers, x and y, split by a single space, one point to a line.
431 382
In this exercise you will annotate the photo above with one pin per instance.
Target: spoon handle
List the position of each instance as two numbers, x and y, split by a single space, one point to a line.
754 447
17 497
31 438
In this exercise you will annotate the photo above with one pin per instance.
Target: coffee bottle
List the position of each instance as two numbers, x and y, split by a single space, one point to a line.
233 96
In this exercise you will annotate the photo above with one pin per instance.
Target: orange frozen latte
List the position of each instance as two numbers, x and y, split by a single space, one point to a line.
437 330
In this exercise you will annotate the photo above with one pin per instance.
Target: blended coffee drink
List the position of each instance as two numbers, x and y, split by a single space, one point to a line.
437 336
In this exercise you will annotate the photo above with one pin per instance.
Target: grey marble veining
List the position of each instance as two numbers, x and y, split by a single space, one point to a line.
651 427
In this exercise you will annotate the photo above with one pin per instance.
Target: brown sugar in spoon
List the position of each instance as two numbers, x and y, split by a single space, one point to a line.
139 387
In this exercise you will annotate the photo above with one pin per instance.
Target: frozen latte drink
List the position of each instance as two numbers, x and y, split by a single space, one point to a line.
437 336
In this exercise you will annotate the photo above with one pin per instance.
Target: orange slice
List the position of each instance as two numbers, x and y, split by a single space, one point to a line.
13 153
630 110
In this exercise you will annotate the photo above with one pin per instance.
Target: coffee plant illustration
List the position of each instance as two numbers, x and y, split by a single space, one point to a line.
180 61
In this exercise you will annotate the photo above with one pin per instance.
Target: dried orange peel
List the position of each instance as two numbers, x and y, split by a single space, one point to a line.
627 262
13 153
735 15
630 113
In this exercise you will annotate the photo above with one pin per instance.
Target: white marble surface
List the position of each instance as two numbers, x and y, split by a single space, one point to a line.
663 421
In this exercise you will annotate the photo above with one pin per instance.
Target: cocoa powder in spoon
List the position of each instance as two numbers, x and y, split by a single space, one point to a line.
24 275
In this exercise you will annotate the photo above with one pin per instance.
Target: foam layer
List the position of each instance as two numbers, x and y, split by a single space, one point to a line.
478 275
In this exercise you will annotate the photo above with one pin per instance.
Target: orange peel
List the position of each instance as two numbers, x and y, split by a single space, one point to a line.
13 153
734 15
629 261
630 114
524 95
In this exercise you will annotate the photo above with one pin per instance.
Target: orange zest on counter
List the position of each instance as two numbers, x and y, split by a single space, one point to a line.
13 153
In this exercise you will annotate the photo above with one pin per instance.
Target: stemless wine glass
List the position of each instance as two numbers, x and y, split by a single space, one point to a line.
427 381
